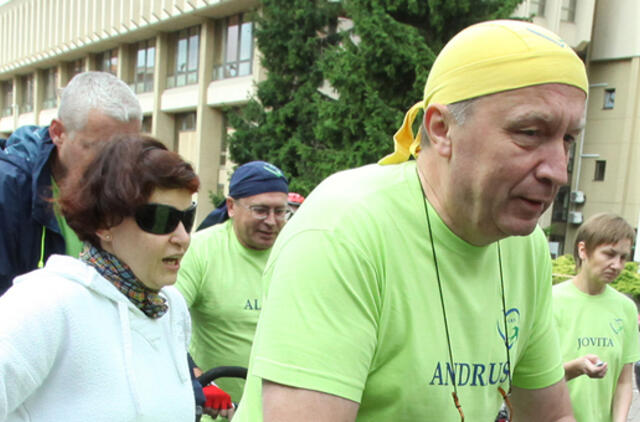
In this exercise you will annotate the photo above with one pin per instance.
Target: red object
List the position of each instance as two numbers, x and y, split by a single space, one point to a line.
295 198
216 398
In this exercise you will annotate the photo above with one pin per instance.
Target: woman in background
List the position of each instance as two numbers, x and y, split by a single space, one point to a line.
597 325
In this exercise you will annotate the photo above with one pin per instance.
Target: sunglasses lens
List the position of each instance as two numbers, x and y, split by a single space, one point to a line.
157 219
188 217
163 219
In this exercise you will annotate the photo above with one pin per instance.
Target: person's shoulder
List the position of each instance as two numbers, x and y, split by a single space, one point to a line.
562 288
365 180
28 142
368 189
207 237
14 168
52 286
621 298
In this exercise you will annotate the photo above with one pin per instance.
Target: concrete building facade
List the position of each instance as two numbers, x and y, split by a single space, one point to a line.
189 59
185 59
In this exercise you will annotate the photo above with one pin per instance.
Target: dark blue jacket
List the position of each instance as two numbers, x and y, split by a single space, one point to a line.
29 231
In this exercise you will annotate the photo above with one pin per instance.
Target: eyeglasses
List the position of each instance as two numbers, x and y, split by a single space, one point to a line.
163 219
261 212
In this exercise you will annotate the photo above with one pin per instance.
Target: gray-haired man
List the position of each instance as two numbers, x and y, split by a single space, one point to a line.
93 107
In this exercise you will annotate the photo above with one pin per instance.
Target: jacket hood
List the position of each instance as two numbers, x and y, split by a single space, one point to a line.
77 271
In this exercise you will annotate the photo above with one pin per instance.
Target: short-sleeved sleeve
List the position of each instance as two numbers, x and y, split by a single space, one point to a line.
318 329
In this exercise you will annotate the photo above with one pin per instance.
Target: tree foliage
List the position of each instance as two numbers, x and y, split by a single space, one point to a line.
628 282
377 66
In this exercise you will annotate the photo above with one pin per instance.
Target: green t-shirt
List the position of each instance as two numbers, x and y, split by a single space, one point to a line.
605 325
73 245
352 307
221 282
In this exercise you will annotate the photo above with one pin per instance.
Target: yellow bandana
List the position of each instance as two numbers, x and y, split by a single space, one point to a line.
488 58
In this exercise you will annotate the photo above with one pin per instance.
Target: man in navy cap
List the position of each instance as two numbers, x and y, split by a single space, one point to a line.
220 275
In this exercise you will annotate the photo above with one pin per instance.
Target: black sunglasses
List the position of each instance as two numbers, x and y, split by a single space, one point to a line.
163 219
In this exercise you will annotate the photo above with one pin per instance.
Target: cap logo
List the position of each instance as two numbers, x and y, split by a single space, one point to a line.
556 42
273 170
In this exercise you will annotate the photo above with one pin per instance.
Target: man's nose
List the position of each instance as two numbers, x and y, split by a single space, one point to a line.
553 165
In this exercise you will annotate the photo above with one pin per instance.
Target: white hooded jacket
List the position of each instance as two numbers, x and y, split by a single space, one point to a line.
73 348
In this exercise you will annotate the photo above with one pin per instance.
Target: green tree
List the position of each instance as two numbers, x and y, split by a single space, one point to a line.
377 67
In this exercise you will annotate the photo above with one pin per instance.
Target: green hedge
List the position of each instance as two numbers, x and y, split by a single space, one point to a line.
628 282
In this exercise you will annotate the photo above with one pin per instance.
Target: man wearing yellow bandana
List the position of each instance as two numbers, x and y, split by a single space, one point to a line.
421 290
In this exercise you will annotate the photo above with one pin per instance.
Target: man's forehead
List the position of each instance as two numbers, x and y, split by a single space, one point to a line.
266 197
532 103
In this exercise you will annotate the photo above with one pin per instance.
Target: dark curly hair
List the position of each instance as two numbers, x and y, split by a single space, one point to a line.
121 177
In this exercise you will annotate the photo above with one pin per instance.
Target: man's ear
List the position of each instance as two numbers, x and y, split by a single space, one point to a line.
230 207
56 130
437 122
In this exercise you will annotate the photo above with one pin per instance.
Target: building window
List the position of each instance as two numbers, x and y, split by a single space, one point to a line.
75 67
184 58
27 94
572 156
560 209
235 54
568 11
186 122
7 99
50 92
147 122
598 175
609 98
145 61
108 61
537 7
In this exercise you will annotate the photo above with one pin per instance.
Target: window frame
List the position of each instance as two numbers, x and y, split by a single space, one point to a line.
107 61
143 76
541 6
600 170
6 88
27 84
236 65
609 100
187 57
568 11
75 67
50 92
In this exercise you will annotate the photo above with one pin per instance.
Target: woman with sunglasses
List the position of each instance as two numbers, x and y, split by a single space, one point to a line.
104 337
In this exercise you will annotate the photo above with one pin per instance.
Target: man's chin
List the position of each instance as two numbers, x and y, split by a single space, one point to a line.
520 227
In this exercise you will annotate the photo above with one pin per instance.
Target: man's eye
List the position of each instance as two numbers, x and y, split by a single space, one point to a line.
261 210
529 132
280 211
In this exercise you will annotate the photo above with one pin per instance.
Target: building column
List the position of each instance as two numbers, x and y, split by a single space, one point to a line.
629 193
209 124
162 124
38 93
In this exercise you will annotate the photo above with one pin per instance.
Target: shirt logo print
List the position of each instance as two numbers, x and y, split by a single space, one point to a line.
513 326
616 325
